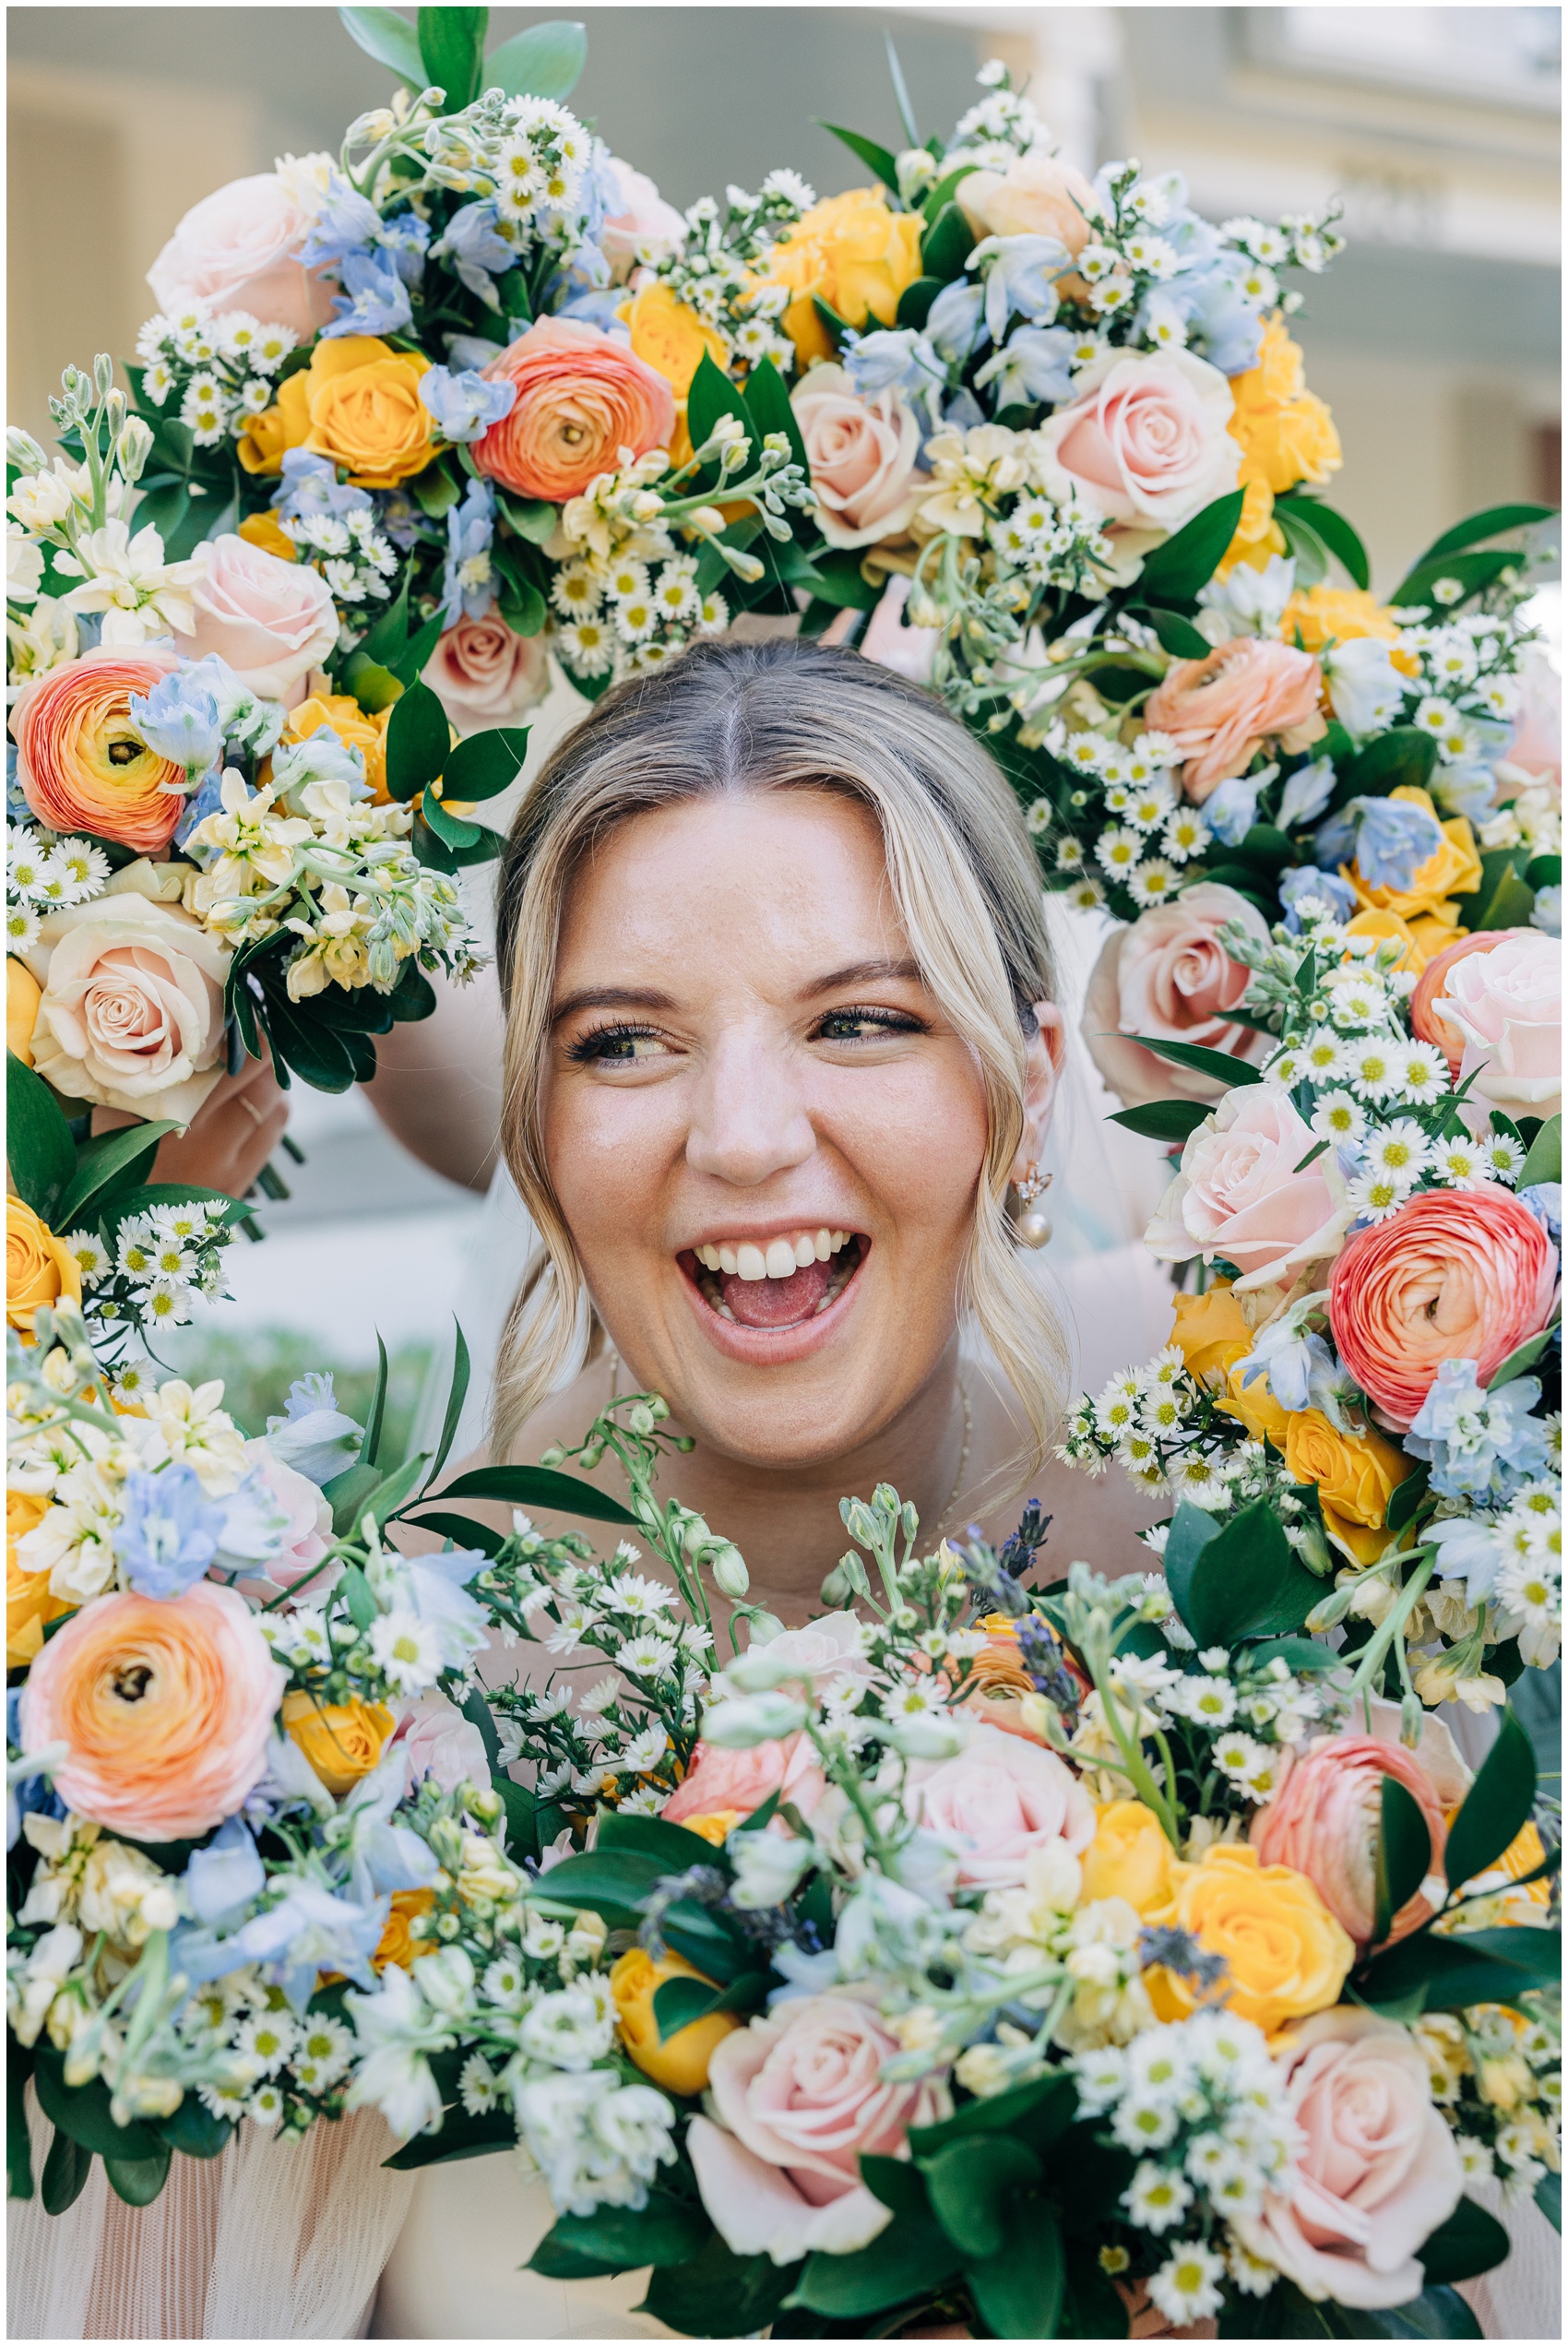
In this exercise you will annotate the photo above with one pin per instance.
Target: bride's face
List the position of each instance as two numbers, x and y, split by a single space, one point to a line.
765 1135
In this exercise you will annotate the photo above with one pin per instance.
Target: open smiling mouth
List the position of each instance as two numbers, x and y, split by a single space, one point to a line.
778 1285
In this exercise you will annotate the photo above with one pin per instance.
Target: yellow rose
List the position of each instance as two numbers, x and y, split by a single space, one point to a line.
1356 1474
341 1741
395 1945
669 337
1453 869
680 2064
27 1602
1258 536
353 727
261 530
1422 939
39 1268
1255 1404
266 438
1286 433
23 995
1210 1333
366 411
853 253
1131 1858
1286 1954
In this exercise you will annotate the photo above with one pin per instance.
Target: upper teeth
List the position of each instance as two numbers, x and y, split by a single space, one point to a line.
778 1259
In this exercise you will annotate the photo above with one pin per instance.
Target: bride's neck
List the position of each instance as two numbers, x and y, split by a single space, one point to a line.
786 1521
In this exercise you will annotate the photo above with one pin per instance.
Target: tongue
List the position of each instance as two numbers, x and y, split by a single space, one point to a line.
777 1302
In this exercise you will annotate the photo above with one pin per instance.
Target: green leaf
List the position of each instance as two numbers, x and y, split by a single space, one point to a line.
390 1496
451 43
1490 523
1244 1580
1471 573
708 1942
915 300
1549 2199
946 246
1167 1120
1399 759
1470 1967
906 2261
460 2137
456 1394
66 2172
677 2003
1019 2289
356 1594
671 1847
1174 571
383 34
370 1440
18 2144
945 189
1544 1161
1336 532
486 764
719 2295
713 395
544 61
1496 1806
1404 1855
451 829
1508 907
534 518
538 1486
1407 1497
1471 2242
768 401
463 1531
138 2181
39 1150
901 94
1544 871
866 151
1204 1062
372 686
419 742
194 2130
970 2184
103 1162
476 1712
667 2232
82 2111
839 581
1037 2112
604 1878
555 2261
1177 636
1305 546
898 2183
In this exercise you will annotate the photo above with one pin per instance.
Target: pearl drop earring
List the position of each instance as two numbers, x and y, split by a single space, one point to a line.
1032 1227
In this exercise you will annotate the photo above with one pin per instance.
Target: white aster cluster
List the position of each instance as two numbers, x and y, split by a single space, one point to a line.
1496 2074
1151 834
46 874
716 271
221 371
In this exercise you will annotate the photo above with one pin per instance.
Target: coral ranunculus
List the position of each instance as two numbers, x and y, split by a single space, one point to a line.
726 1786
681 2063
40 1269
1453 1276
1220 711
166 1706
1287 1954
1325 1819
852 253
81 763
1169 977
582 396
341 1741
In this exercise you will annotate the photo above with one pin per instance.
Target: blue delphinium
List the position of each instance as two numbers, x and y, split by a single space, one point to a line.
1544 1199
309 488
170 1532
475 250
1478 1444
1389 839
1019 275
374 299
312 1436
178 720
469 585
1305 879
465 405
1035 364
1232 809
1306 794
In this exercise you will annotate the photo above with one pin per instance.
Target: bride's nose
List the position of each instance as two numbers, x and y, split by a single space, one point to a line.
749 1119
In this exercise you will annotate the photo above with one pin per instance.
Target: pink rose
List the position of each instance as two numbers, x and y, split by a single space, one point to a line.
1237 1193
271 621
1504 1011
132 1010
1325 1818
645 230
1377 2172
239 249
309 1532
999 1800
862 454
799 2095
1146 441
1536 746
730 1784
1169 976
484 676
436 1740
1220 712
1433 980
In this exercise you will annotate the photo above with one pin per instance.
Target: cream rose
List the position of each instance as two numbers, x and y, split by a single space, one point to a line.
1377 2172
239 249
646 229
1237 1193
132 1010
271 621
1504 1008
1146 442
998 1801
484 676
863 455
1035 195
1170 977
308 1532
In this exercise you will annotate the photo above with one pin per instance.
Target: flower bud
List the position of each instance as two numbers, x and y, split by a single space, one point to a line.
103 372
730 1574
136 446
738 1723
836 1589
23 451
707 519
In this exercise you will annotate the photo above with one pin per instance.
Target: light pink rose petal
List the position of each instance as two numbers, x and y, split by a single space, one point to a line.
757 2210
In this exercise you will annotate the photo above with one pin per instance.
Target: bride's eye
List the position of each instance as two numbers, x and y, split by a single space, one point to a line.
866 1025
617 1046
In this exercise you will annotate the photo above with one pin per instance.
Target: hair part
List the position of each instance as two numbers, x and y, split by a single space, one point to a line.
729 719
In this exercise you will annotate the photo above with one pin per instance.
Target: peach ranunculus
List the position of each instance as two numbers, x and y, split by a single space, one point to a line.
1038 195
997 1686
342 715
307 1532
1504 1008
1377 2170
998 1801
341 1741
81 763
1211 1333
167 1706
1452 869
1144 441
1450 1277
1220 711
852 253
484 674
1433 981
1237 1193
799 2095
40 1269
862 454
582 396
1324 1820
679 2063
1170 977
645 230
132 1010
1286 1954
722 1787
238 249
271 621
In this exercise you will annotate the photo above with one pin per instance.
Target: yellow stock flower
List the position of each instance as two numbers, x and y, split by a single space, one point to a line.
854 253
1286 1954
1131 1858
680 2064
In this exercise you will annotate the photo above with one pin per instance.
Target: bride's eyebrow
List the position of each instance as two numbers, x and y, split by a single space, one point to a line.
863 973
610 997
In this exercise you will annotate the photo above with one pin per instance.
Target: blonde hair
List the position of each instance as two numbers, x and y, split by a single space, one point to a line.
730 718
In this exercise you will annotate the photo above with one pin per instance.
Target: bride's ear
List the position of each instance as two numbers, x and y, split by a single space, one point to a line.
1044 1057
